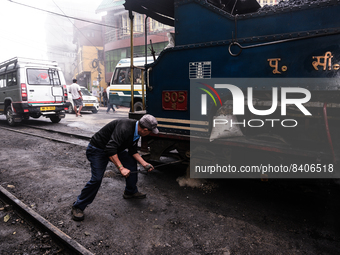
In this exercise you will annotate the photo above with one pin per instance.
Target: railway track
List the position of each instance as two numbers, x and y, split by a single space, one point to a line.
67 244
50 134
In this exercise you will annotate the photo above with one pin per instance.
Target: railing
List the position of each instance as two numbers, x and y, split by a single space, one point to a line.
114 35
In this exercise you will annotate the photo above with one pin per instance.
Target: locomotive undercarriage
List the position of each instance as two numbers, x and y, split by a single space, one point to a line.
318 131
276 136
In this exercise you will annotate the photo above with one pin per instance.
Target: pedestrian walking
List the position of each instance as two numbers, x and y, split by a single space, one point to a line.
115 142
77 97
109 104
105 97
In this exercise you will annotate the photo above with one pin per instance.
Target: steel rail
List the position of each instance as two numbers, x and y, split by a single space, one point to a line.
40 222
45 137
83 137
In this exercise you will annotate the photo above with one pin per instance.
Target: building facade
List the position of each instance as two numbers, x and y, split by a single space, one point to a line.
89 62
116 35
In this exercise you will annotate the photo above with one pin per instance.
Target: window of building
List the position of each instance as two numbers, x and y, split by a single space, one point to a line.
112 58
125 23
138 23
157 26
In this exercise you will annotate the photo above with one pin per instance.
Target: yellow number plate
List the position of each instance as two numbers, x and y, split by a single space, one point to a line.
88 104
47 108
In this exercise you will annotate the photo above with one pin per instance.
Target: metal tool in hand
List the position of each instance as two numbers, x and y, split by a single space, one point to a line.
146 169
165 164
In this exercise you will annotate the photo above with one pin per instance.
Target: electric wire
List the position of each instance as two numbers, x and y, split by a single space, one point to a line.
114 28
65 16
76 26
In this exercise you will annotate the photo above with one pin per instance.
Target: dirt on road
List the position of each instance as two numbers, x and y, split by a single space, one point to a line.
219 217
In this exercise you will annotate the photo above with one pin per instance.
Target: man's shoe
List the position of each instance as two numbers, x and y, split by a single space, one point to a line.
77 214
137 195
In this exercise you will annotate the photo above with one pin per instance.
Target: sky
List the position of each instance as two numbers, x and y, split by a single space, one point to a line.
23 32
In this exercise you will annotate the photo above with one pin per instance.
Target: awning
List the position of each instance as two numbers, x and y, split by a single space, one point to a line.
163 10
160 10
107 5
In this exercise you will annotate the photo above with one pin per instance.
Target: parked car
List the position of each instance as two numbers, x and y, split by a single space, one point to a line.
90 103
32 88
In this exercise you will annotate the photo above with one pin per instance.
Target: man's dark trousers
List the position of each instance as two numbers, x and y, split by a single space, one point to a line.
99 160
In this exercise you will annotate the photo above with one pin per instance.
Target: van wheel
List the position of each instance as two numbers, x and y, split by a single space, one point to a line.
55 119
95 111
9 116
138 106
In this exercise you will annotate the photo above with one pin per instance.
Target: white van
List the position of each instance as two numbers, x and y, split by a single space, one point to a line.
32 88
90 103
120 84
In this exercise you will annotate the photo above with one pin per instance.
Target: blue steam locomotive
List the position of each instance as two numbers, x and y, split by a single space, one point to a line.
246 78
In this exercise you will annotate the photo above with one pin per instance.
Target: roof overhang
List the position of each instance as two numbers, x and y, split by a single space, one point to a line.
160 10
164 10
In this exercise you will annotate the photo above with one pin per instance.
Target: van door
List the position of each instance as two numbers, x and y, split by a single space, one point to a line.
44 86
12 87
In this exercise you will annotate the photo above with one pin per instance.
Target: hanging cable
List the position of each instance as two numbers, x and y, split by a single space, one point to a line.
63 15
75 26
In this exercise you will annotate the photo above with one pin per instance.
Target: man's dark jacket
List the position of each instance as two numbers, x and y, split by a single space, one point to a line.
116 136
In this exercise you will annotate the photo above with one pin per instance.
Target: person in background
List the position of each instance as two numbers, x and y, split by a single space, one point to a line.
139 79
105 97
109 104
116 142
77 97
122 78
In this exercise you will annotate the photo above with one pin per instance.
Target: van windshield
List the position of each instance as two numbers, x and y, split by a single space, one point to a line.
85 92
43 77
122 76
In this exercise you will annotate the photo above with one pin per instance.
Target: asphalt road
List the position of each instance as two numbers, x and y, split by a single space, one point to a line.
93 121
219 216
